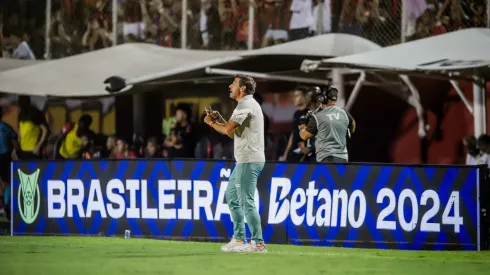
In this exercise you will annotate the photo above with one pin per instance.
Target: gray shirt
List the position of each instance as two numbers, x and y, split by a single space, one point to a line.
330 126
249 135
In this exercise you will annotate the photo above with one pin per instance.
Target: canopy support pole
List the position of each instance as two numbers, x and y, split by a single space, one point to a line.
183 25
268 76
414 100
479 106
139 113
47 39
355 91
461 95
338 83
114 22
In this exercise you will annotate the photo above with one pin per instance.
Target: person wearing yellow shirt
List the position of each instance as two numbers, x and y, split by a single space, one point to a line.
72 143
33 132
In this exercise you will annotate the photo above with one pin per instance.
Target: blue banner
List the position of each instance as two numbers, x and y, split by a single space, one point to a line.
349 205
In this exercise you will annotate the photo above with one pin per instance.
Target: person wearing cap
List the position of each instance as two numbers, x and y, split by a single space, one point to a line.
330 125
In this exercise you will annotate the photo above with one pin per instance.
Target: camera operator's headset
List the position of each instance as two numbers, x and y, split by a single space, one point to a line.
323 95
326 94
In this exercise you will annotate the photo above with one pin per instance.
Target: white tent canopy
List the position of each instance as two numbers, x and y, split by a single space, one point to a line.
454 51
327 45
9 64
449 55
84 75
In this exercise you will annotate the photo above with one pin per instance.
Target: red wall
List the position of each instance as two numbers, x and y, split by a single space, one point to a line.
456 122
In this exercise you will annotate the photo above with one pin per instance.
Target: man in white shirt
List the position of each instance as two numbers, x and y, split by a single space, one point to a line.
322 16
246 127
301 19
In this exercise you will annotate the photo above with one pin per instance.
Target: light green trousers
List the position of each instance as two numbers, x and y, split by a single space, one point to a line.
240 197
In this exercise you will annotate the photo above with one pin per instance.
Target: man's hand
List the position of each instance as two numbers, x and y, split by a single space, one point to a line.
36 150
303 133
215 115
208 119
303 148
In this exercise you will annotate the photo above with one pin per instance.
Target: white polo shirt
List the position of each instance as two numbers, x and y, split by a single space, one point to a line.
249 145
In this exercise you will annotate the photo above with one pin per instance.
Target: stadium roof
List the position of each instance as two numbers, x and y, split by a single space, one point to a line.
83 75
327 45
139 63
9 63
459 51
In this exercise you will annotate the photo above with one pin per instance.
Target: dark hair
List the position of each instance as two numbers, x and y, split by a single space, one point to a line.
248 82
16 33
123 139
85 120
483 142
185 108
153 140
471 145
1 112
303 89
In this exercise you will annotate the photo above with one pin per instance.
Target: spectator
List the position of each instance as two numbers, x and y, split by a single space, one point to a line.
243 24
22 49
122 150
181 141
301 19
227 10
8 147
473 155
71 144
133 25
351 17
159 22
152 149
211 27
94 37
275 20
61 42
33 130
322 16
88 150
138 145
295 143
110 144
483 143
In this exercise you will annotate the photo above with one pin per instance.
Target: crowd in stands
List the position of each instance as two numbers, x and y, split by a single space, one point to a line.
78 26
186 137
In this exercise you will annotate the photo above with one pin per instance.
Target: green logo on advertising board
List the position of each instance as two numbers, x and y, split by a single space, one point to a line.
31 198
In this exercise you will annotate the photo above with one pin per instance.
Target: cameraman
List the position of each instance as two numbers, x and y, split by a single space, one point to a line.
308 149
330 125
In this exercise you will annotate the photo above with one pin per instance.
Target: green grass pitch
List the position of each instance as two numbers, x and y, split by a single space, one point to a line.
111 256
